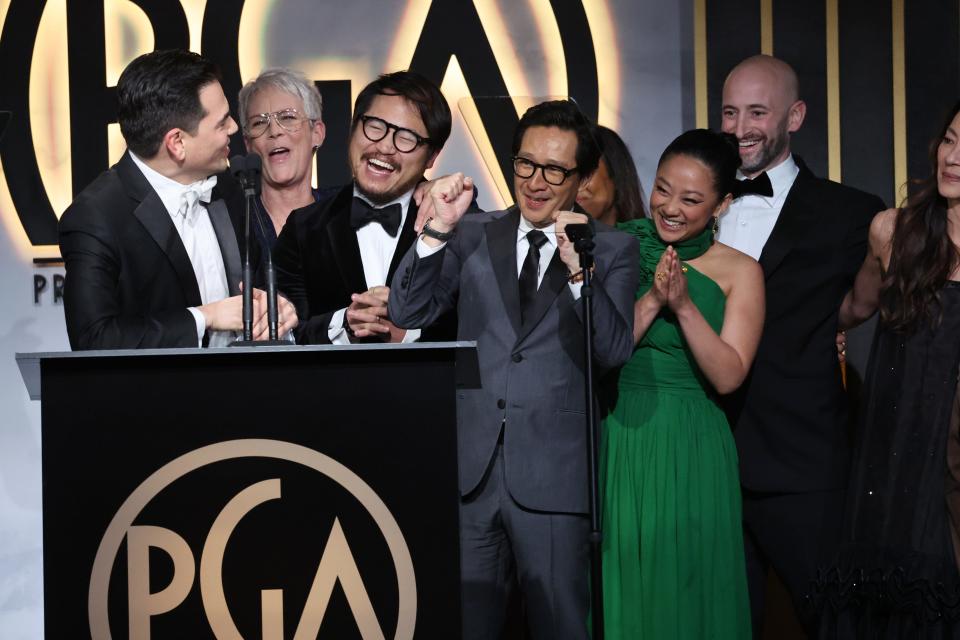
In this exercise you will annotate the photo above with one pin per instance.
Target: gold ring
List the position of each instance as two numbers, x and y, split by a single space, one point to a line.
683 268
660 275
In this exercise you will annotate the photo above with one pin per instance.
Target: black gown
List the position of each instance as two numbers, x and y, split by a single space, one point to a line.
896 575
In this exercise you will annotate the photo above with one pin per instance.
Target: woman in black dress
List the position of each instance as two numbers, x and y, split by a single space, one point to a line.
897 574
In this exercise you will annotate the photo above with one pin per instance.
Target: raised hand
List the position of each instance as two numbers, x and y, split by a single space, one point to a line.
567 253
450 197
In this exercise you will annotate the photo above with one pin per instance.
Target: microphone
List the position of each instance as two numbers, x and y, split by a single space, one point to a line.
247 170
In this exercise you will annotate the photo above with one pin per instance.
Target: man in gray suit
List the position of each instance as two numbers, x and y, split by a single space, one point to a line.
513 277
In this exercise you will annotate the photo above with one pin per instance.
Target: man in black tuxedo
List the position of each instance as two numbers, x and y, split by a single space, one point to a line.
790 419
151 261
334 258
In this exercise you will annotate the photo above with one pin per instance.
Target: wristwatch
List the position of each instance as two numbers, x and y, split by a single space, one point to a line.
436 235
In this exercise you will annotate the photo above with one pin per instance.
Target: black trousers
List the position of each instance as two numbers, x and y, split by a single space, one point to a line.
794 533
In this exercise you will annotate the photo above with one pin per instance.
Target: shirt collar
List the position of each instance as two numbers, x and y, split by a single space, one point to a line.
781 179
525 227
169 190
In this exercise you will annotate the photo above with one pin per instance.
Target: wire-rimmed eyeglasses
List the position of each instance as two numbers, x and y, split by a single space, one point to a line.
290 120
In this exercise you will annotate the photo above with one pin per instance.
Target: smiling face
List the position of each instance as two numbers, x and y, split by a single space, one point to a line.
761 109
206 150
287 157
684 199
538 200
380 172
948 163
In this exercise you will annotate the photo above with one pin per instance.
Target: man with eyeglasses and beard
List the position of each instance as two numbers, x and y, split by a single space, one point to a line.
516 283
334 258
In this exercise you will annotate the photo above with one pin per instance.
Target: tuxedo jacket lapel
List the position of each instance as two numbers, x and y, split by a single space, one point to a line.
405 241
156 220
502 246
227 239
796 217
343 244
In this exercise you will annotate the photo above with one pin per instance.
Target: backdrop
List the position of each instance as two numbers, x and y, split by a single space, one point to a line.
877 79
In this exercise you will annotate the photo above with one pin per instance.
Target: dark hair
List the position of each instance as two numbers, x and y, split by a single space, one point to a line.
424 94
565 115
922 256
718 151
160 91
628 198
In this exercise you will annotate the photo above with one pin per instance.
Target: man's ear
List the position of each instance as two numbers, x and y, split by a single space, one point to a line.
795 115
173 144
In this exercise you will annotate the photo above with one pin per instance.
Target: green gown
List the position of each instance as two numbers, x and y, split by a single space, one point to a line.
673 564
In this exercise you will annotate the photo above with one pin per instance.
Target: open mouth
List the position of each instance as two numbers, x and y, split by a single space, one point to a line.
671 224
749 144
279 152
379 166
535 202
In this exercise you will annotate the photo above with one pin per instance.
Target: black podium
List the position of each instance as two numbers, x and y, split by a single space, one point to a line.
287 492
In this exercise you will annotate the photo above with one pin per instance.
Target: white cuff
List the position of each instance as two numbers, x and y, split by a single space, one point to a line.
336 331
425 251
201 324
575 289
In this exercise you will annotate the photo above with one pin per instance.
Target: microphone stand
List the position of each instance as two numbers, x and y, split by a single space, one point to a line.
582 237
247 171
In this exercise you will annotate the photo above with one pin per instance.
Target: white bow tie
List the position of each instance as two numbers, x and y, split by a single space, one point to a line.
199 191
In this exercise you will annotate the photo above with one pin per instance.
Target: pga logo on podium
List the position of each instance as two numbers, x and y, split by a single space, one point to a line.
194 534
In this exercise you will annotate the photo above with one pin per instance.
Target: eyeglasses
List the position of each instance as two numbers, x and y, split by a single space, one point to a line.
290 120
553 174
404 140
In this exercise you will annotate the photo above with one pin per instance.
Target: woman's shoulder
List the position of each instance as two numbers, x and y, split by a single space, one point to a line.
732 268
883 224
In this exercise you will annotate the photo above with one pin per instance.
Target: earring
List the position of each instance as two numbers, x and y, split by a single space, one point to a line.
716 225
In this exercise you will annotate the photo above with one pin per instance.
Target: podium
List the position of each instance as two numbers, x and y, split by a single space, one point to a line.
277 492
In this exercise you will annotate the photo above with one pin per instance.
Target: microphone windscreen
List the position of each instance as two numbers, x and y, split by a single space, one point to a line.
238 165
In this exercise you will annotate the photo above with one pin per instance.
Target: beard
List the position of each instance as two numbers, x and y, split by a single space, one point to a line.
770 149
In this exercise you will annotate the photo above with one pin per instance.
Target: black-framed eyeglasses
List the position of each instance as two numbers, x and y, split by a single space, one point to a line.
524 168
405 140
290 120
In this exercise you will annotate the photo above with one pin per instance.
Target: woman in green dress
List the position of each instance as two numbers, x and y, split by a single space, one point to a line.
673 564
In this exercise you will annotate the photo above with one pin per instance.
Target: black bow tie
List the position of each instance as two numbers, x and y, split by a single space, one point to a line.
760 186
363 213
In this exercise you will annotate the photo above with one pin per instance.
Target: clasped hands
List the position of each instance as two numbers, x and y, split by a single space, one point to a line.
367 316
227 315
669 287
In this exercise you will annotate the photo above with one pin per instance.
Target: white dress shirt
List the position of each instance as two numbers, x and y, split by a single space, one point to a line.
748 222
190 218
376 253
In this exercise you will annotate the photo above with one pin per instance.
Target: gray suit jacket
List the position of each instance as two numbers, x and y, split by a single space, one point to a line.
531 374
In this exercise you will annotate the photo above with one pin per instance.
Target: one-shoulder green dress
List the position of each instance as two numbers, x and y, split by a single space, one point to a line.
673 564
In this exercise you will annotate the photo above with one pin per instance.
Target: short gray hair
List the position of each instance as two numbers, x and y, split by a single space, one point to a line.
288 81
